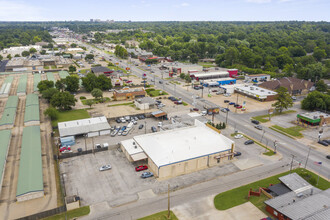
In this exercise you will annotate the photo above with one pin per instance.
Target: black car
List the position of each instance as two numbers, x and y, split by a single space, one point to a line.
141 117
328 156
324 143
160 82
153 129
236 154
79 150
328 141
248 142
118 120
255 122
141 126
226 101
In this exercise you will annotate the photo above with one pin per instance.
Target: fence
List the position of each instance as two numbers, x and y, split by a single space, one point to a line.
45 214
68 155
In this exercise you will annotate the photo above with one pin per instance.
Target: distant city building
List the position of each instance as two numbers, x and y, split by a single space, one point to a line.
18 50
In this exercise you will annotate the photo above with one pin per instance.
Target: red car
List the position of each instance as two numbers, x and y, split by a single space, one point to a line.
239 106
140 168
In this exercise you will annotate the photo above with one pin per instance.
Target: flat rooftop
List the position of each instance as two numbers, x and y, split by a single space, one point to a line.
174 146
255 91
314 115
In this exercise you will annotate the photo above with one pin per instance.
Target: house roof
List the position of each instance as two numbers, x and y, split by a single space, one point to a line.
290 83
294 182
279 189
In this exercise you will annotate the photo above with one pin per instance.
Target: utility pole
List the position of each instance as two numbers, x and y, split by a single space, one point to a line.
262 136
174 89
291 163
168 202
236 103
226 117
202 90
309 150
275 145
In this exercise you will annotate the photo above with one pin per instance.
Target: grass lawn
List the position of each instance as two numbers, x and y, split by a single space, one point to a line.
126 103
206 64
239 195
117 68
293 131
96 101
84 71
71 115
54 67
184 103
71 214
46 67
155 92
265 118
160 216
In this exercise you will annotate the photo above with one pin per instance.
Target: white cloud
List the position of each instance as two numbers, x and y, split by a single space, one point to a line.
19 11
185 4
259 1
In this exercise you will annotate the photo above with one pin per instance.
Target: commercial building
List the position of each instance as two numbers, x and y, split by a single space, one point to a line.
293 85
129 94
209 75
30 179
218 82
9 114
99 70
145 103
90 127
74 50
178 68
303 201
257 78
5 136
32 115
180 151
18 50
230 89
314 118
6 86
257 93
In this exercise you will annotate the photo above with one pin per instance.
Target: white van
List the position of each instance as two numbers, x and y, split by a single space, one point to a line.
105 145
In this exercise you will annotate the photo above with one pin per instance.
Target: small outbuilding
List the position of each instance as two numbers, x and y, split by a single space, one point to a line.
91 127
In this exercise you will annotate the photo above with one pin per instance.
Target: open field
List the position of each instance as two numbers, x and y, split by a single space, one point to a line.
71 115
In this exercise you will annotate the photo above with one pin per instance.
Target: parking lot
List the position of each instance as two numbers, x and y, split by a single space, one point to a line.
122 184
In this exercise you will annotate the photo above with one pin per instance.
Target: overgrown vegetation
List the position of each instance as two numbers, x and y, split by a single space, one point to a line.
155 92
72 214
70 115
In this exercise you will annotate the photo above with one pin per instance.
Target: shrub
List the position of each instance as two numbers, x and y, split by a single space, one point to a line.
82 97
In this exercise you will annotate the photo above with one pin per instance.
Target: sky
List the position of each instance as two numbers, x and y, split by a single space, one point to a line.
165 10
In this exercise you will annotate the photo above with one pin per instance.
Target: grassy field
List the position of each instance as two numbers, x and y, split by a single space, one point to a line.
96 101
293 131
239 195
155 92
71 115
206 64
160 216
265 118
126 103
71 214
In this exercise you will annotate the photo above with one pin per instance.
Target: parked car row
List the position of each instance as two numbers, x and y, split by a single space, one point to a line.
324 142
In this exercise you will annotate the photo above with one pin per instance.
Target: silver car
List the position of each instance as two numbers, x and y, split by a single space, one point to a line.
105 167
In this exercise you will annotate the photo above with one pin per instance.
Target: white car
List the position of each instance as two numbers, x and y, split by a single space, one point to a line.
105 167
160 124
238 136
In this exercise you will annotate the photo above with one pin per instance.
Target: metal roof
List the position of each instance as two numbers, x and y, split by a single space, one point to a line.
36 80
22 84
9 113
31 113
209 74
5 136
63 74
182 144
5 88
50 77
279 189
30 178
255 91
32 99
83 126
294 182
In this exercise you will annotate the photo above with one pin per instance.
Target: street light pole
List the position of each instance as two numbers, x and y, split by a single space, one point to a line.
309 150
262 136
291 163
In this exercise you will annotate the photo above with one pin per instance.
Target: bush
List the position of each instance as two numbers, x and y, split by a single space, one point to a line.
82 97
52 113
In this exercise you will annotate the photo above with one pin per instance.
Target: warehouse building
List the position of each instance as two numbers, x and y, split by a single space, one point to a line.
91 127
257 78
257 93
5 88
32 116
21 89
180 151
209 75
218 82
129 94
30 178
36 81
63 74
5 136
9 114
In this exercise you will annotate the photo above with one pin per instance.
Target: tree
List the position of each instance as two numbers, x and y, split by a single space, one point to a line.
43 52
89 103
72 69
17 55
193 58
1 57
72 83
121 52
319 54
89 57
32 50
182 75
63 100
52 113
36 39
25 53
9 56
89 82
321 86
48 93
284 100
316 101
187 78
103 82
60 84
97 93
45 84
73 45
